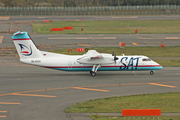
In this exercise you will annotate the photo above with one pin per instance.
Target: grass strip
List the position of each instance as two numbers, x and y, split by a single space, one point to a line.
110 27
169 62
167 102
147 51
99 117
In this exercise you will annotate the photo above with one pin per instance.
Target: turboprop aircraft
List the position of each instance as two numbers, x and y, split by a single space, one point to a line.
92 61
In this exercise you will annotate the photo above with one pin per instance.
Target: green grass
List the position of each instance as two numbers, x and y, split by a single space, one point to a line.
168 63
147 51
99 117
167 102
111 27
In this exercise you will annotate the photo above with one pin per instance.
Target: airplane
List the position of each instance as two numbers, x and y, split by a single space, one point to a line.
91 61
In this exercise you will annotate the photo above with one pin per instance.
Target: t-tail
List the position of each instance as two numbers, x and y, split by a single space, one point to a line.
25 46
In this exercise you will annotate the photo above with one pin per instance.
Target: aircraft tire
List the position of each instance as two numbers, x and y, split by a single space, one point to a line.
151 72
93 74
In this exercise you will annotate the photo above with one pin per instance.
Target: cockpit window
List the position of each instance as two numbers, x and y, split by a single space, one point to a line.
149 59
146 59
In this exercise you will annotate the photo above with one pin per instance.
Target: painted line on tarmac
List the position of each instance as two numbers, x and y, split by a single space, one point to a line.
83 87
96 38
134 43
90 89
149 38
84 45
162 85
125 17
3 111
9 103
175 38
168 38
33 95
2 116
115 17
133 17
25 65
41 17
1 39
4 18
85 38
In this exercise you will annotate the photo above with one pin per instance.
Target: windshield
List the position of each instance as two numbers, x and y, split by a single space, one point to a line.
146 59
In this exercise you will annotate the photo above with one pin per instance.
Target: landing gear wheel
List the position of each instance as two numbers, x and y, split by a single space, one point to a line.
151 72
93 73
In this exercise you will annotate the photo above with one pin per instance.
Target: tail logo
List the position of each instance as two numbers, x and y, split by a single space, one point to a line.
26 51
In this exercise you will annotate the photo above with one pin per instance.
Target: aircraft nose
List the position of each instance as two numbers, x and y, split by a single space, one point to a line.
158 66
161 67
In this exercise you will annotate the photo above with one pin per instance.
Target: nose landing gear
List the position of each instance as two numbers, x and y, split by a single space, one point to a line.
92 73
152 72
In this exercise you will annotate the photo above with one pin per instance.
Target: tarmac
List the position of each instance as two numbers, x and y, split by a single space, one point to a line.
29 92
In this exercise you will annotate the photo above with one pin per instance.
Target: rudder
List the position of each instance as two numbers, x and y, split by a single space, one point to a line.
25 46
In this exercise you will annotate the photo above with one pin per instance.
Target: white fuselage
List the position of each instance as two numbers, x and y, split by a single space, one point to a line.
69 63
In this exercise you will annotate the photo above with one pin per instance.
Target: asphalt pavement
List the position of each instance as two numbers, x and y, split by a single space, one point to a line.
88 18
28 92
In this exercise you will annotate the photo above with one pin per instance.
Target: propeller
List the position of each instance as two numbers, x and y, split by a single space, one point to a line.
113 53
115 58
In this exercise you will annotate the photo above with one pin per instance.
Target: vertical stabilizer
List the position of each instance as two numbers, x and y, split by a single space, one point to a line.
25 46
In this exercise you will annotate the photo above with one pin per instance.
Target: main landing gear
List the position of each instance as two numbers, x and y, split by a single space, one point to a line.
152 72
94 70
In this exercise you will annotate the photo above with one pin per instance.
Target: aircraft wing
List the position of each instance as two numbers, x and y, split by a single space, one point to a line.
93 57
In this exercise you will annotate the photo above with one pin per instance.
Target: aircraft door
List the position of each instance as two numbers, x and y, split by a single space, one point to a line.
69 65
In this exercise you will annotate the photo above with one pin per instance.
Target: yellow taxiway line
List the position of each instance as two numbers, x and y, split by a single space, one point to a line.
3 111
85 38
84 45
2 116
34 95
1 39
162 85
4 18
126 17
173 38
84 88
90 89
9 103
134 43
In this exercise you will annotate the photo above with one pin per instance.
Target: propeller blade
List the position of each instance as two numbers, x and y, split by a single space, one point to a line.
113 53
115 58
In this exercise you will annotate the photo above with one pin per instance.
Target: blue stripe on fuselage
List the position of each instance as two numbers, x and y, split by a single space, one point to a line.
110 69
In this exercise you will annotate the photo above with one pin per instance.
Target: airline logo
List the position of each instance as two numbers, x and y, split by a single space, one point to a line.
26 51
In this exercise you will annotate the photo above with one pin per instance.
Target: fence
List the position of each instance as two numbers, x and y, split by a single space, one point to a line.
110 10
